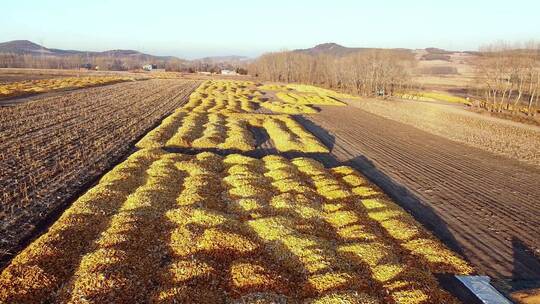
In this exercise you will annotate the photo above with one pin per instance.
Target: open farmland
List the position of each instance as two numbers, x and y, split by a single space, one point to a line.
51 147
173 228
24 74
246 97
225 115
230 132
483 205
30 87
228 201
176 223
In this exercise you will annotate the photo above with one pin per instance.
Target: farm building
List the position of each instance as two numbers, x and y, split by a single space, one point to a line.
149 67
152 68
88 67
228 72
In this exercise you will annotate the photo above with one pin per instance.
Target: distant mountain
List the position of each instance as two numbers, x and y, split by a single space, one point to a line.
335 49
22 47
329 49
433 50
25 47
223 61
216 59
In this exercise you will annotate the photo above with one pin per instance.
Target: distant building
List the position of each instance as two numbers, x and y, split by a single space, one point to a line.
88 67
228 72
148 67
152 68
204 73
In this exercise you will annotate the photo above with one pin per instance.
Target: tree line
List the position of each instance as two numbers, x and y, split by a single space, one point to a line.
112 63
367 73
508 77
12 60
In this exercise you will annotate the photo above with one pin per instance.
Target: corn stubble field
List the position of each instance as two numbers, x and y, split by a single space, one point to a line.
53 146
206 224
29 87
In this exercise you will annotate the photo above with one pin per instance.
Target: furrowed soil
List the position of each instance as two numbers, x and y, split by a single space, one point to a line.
53 146
500 136
484 206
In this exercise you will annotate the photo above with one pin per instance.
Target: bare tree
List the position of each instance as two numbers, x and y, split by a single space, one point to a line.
370 73
508 75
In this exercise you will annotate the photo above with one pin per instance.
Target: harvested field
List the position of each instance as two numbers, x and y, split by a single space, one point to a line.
53 146
225 131
303 88
514 140
225 202
14 74
308 99
246 97
13 77
225 96
30 87
223 114
295 102
482 205
169 228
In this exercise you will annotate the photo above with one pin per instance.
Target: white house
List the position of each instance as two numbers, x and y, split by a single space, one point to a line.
228 72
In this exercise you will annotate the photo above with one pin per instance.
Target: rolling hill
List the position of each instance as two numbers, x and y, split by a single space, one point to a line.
335 49
26 47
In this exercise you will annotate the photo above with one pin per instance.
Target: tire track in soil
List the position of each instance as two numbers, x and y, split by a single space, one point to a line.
484 206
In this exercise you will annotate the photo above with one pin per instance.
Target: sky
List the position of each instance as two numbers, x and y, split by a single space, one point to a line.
194 29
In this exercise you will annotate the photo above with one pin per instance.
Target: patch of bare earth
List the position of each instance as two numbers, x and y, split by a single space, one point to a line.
482 205
514 140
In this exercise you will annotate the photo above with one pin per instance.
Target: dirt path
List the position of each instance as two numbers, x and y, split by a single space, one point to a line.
482 205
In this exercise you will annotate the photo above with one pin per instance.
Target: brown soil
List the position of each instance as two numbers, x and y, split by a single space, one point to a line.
9 77
52 147
482 205
517 117
507 138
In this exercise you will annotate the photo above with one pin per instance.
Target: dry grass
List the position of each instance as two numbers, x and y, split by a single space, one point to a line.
244 97
29 87
219 115
274 87
501 137
229 131
288 108
435 96
300 99
303 88
224 96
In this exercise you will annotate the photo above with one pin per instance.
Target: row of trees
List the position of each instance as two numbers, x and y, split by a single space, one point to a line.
114 63
366 73
509 77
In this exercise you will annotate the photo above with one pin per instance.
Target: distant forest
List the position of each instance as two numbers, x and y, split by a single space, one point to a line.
114 63
366 73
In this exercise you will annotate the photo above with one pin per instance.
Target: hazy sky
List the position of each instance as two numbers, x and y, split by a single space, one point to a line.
192 29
